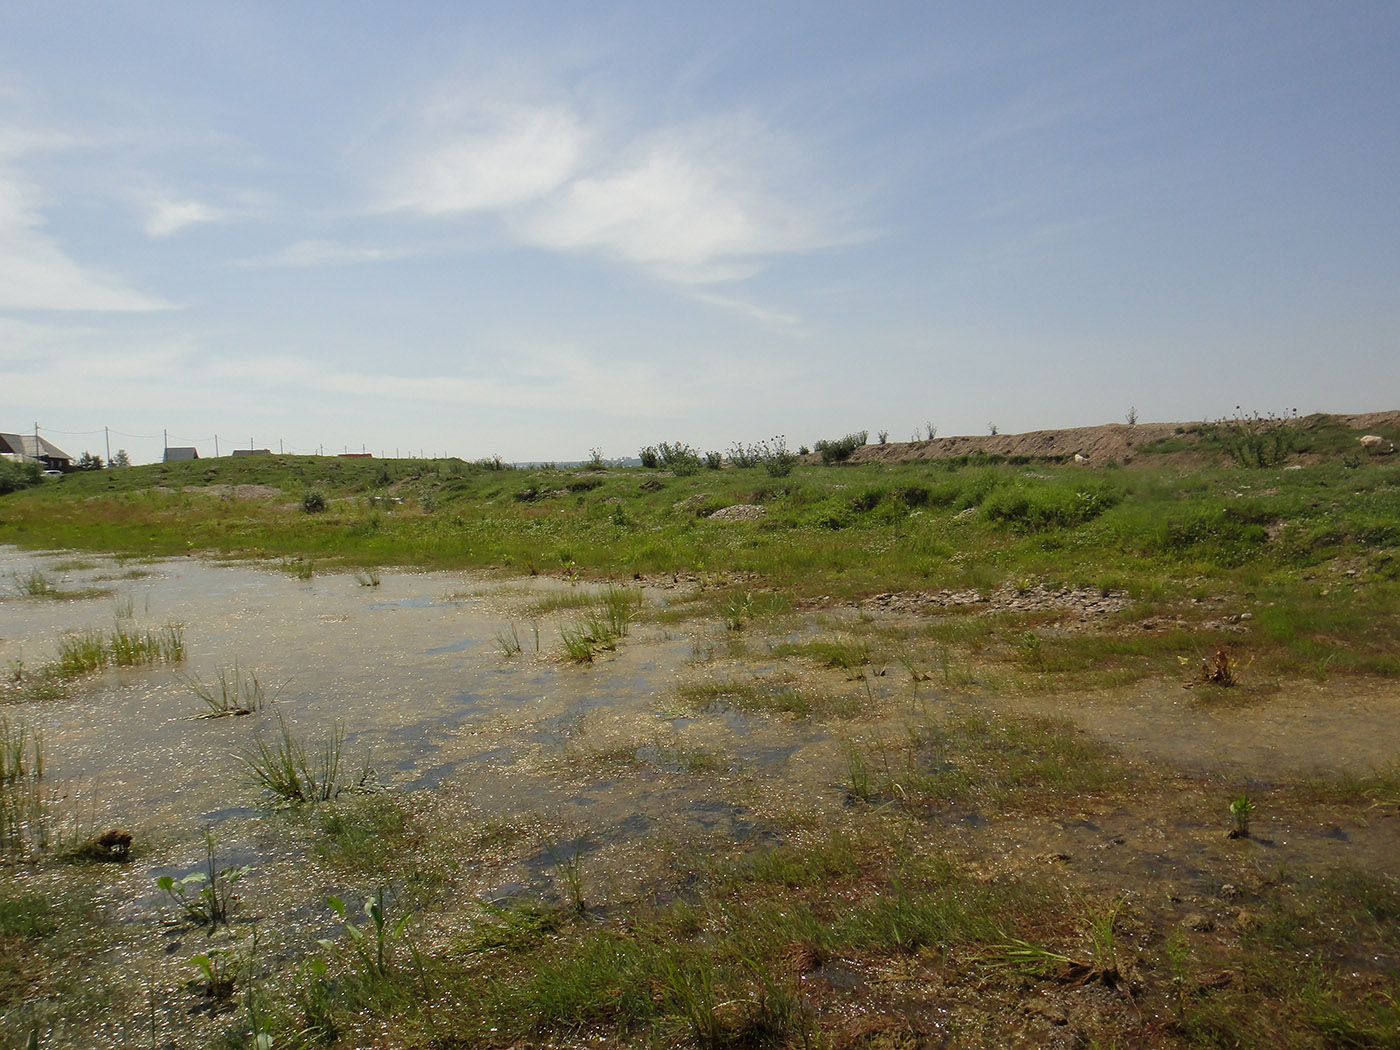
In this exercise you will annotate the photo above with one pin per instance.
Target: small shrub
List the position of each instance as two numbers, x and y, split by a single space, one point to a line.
1255 441
313 501
744 456
713 460
840 449
16 476
651 459
680 458
775 457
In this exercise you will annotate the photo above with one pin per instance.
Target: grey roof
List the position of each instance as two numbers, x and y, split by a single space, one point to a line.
24 445
173 453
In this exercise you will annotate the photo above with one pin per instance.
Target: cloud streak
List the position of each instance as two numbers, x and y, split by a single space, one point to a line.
700 202
312 252
167 216
474 157
35 272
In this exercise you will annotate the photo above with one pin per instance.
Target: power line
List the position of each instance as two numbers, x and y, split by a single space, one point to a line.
143 437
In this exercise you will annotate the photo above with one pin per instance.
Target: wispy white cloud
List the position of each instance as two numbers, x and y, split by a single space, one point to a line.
167 215
557 378
35 272
705 201
776 319
467 156
313 252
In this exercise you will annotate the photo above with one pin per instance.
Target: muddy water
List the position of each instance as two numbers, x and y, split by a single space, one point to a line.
412 670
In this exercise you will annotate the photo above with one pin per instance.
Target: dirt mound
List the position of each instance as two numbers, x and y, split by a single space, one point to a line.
1109 442
1100 444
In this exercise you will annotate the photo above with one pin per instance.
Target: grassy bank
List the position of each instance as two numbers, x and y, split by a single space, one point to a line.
1305 560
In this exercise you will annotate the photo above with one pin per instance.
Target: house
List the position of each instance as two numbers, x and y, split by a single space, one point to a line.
29 448
252 452
174 454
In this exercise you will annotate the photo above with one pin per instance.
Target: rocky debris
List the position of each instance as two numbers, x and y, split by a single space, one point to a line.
1088 602
691 504
739 512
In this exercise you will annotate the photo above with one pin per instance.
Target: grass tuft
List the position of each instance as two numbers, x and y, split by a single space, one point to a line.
286 770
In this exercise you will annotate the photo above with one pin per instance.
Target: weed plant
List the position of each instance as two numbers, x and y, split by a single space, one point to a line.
568 871
578 641
373 942
207 896
618 608
286 770
21 750
236 693
1241 809
36 584
508 640
88 651
24 815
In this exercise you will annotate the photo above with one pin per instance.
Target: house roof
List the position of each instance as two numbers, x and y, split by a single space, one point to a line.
24 445
174 453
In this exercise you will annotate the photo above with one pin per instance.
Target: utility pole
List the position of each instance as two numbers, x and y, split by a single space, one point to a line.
165 439
108 433
216 446
36 442
280 450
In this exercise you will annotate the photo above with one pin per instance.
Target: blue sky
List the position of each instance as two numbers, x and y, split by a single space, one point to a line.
534 229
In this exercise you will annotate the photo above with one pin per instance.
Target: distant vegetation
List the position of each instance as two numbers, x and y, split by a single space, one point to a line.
1233 521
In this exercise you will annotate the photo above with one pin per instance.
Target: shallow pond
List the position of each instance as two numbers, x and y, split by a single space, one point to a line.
412 669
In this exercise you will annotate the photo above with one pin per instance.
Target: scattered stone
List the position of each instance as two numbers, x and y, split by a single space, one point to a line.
1088 602
739 512
1198 922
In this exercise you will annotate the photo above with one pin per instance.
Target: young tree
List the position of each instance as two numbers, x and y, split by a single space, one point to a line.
90 462
121 459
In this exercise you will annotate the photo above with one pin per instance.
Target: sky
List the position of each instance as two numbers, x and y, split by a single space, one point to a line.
537 229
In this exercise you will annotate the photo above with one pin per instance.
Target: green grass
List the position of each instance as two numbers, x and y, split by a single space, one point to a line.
237 692
88 651
984 762
286 769
761 697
